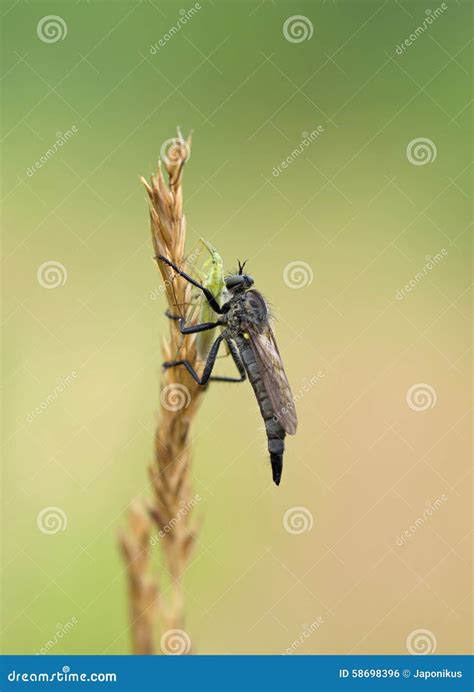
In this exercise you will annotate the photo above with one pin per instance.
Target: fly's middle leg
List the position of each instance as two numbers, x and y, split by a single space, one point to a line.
194 328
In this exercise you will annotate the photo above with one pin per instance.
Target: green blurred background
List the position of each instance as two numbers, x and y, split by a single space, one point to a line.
352 207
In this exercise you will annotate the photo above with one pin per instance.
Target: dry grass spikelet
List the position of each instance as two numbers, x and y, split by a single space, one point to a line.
170 511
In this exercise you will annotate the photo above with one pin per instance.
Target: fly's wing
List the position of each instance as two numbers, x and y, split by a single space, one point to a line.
274 377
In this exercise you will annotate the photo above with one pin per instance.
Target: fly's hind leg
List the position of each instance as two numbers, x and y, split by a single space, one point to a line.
211 359
234 352
210 362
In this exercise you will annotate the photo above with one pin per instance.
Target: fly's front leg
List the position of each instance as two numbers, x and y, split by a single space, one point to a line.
210 362
209 296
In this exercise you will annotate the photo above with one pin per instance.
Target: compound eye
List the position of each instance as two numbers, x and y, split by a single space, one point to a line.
234 281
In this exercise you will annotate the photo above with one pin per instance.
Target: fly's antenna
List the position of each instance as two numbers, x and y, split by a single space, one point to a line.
241 266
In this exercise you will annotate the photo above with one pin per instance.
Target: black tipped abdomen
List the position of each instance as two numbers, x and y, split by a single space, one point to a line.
275 432
277 467
276 447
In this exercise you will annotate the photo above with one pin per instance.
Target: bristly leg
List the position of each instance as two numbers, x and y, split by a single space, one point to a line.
210 362
195 328
209 296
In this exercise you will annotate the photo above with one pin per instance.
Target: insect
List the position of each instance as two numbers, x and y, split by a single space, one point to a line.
245 328
214 281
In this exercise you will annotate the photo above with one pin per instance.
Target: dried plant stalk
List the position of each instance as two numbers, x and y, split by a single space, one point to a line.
179 399
143 590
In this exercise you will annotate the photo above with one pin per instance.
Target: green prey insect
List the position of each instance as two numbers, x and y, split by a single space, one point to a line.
214 281
211 275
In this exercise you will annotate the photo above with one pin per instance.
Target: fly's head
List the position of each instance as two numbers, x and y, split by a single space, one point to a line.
237 283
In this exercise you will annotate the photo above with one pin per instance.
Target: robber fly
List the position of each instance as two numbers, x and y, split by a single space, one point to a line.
245 322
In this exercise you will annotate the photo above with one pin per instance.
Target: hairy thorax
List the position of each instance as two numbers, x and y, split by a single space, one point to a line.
246 310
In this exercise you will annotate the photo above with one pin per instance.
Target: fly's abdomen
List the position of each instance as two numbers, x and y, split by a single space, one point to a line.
274 430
